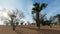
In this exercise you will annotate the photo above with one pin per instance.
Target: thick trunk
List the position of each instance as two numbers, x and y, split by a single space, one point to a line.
37 19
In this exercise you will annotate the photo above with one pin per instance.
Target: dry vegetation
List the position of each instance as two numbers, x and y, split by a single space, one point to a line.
30 30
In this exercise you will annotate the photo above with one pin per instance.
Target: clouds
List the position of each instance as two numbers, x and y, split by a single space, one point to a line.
26 6
3 16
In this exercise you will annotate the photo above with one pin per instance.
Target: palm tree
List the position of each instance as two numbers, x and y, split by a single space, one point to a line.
37 9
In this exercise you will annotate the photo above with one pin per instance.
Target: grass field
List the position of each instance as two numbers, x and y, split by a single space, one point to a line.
30 30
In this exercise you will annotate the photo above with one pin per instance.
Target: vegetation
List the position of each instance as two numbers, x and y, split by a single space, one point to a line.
40 19
36 10
58 16
17 23
15 18
28 22
22 22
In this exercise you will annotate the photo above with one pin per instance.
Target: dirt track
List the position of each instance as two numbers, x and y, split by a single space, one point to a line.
29 30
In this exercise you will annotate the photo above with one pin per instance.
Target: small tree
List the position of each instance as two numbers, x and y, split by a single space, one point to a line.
17 23
15 17
50 21
22 22
6 22
28 22
58 16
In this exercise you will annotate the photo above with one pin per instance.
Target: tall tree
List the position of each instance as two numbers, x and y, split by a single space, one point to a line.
36 10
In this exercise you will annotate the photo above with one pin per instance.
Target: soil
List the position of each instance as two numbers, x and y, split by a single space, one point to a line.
29 30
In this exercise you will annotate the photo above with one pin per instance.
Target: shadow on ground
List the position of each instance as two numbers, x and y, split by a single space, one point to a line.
17 31
44 31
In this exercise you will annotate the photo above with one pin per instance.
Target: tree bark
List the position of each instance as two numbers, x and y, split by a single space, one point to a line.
37 20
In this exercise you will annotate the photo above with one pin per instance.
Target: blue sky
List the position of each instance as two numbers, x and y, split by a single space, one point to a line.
52 9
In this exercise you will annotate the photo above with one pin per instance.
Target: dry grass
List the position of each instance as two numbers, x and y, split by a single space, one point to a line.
30 30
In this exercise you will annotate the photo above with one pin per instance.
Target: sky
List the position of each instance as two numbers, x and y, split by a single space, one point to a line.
52 8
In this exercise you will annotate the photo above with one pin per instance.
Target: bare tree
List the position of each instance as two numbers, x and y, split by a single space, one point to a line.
15 17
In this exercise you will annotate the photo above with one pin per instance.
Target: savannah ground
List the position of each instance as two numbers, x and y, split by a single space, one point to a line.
24 29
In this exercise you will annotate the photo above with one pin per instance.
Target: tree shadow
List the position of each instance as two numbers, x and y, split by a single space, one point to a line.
44 31
17 31
50 31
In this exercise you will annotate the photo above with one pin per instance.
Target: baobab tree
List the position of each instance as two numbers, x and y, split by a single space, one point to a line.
36 10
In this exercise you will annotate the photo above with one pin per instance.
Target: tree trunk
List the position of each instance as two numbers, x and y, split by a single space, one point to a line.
12 24
37 20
